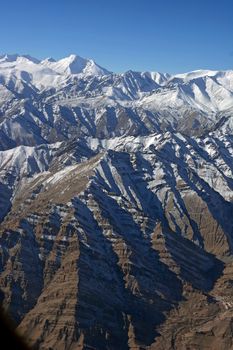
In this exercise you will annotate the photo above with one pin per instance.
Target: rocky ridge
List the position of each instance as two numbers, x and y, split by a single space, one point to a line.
116 206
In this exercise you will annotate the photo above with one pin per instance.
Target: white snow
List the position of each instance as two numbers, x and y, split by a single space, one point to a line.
48 72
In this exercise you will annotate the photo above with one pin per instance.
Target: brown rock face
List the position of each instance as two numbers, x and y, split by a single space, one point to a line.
128 246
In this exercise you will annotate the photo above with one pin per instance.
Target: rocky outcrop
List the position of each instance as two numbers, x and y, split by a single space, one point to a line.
122 245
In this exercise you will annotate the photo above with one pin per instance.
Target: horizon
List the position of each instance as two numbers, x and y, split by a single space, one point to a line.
28 55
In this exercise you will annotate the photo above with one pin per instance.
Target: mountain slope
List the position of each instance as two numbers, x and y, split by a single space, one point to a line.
98 216
116 197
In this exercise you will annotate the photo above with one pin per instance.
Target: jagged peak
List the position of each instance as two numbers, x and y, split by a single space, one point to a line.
75 64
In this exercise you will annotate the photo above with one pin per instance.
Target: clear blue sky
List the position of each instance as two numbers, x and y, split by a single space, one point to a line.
167 35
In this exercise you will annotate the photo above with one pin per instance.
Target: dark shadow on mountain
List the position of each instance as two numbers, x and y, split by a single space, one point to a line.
211 197
146 306
26 278
86 119
5 200
225 155
102 299
198 267
152 207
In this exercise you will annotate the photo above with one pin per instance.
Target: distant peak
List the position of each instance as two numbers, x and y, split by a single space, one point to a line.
32 59
9 57
74 64
199 73
49 59
15 57
73 57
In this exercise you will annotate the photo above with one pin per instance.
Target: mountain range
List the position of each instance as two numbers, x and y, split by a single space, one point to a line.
116 205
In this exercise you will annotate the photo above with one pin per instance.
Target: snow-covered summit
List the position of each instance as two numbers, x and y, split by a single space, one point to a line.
54 100
199 73
46 73
74 64
17 58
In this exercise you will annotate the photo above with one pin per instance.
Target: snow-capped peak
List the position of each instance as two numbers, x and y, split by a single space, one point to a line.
74 64
200 73
159 78
205 90
46 73
69 65
16 58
